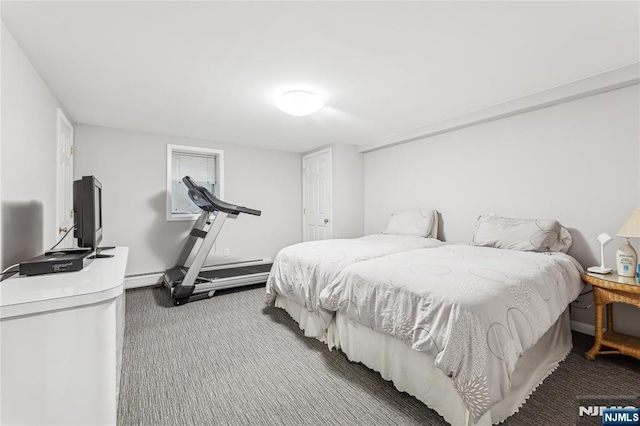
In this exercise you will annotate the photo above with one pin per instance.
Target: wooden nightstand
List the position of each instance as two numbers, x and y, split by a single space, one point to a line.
606 290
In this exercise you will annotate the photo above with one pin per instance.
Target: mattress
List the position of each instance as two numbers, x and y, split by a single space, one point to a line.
476 310
301 271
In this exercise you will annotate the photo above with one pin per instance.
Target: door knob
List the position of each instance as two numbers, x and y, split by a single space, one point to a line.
62 230
326 221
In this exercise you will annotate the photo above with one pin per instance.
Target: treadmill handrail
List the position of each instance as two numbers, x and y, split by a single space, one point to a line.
204 199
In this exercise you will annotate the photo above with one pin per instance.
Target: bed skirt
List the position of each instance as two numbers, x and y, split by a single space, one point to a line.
311 323
416 374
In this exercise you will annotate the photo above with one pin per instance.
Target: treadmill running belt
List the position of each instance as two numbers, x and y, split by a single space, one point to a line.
234 272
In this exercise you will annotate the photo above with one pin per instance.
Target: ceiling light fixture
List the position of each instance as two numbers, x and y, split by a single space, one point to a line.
299 102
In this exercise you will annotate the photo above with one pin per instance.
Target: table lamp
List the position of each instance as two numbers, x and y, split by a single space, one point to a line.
603 239
626 256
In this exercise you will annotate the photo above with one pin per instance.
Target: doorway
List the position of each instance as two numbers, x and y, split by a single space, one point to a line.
316 196
64 181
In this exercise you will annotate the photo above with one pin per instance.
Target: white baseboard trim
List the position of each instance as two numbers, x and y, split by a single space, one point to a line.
155 278
583 328
143 280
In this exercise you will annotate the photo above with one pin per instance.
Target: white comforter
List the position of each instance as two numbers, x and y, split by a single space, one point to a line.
301 271
475 309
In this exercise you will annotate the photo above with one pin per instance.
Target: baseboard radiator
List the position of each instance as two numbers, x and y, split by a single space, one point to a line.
151 279
583 328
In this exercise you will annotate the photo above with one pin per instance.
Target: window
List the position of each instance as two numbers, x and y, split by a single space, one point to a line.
204 165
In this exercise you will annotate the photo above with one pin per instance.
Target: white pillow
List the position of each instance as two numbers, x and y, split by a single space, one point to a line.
423 223
521 234
564 241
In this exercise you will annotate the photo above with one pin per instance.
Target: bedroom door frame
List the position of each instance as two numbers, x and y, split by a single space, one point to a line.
327 218
64 179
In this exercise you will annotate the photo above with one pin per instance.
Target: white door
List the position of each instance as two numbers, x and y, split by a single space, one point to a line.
316 195
64 185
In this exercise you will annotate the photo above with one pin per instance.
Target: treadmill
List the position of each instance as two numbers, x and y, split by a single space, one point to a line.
187 284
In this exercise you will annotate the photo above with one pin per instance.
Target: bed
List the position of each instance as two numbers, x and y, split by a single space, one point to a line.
301 271
470 330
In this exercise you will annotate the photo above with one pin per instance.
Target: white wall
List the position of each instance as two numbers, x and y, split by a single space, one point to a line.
576 162
347 190
132 169
28 168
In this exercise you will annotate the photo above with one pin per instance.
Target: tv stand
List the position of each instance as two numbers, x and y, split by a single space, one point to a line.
62 337
99 255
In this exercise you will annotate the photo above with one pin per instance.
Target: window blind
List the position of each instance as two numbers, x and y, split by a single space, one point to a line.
201 167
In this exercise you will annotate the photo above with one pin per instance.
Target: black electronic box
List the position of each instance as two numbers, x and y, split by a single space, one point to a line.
70 260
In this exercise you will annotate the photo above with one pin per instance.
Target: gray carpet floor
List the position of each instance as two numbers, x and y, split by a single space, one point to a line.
230 360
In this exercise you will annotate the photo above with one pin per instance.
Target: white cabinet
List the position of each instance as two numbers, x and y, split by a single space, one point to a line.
61 345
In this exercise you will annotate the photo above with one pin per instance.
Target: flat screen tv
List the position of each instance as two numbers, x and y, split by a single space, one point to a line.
87 211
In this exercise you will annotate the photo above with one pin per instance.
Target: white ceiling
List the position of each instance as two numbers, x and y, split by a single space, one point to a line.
212 70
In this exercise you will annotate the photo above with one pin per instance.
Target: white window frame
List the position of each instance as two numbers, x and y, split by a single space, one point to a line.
195 150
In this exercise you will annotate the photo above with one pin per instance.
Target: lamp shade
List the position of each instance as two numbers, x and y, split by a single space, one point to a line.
631 227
